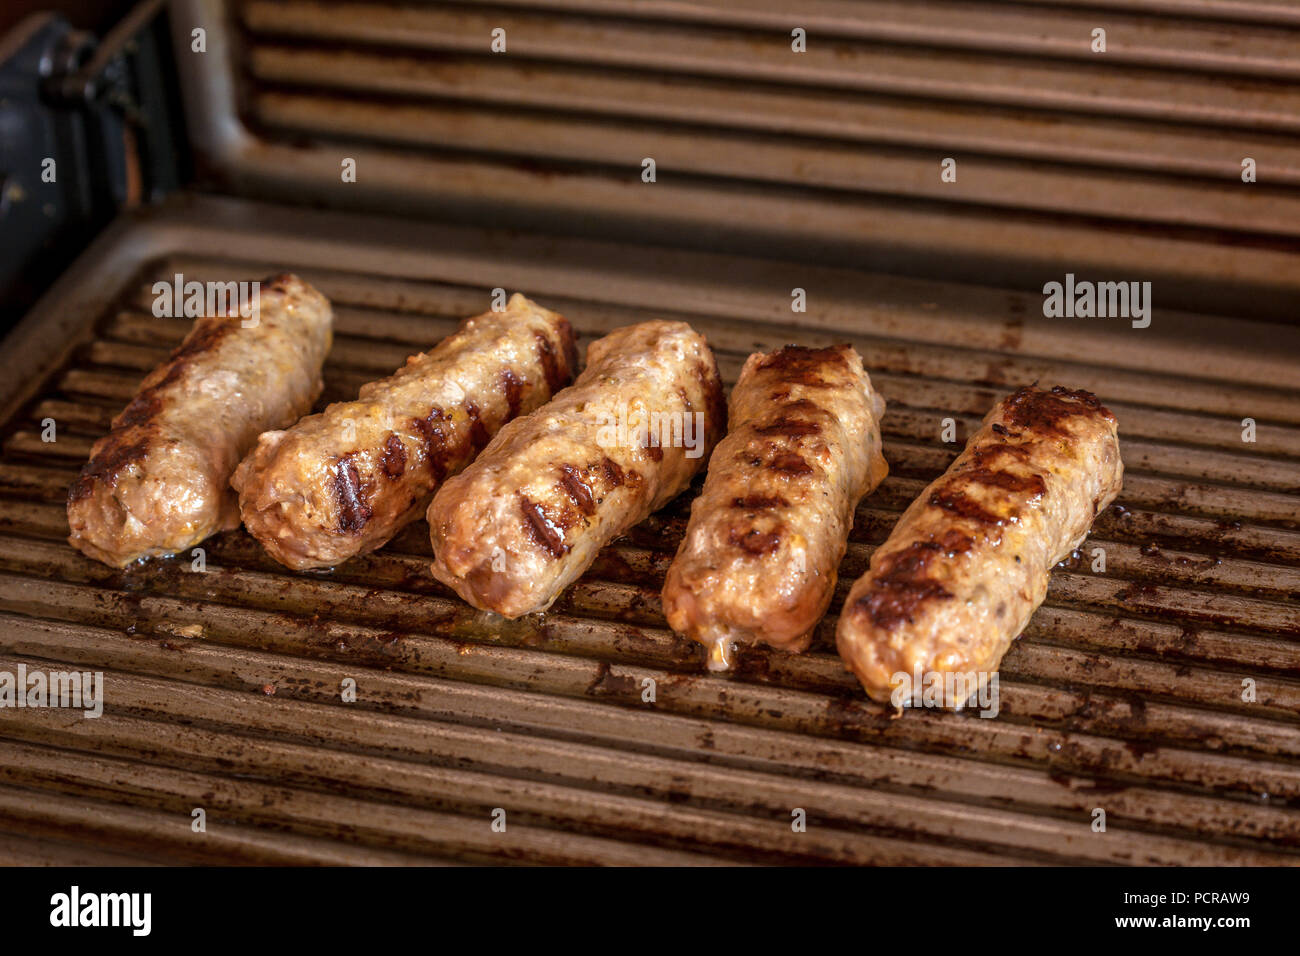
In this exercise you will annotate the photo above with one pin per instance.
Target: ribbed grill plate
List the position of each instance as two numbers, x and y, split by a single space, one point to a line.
223 687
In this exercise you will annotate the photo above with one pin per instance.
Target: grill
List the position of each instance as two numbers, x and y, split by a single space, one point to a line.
1126 692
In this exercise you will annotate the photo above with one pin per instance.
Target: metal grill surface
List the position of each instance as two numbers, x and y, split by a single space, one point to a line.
223 686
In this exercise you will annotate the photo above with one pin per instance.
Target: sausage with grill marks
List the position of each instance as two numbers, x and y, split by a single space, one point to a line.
523 522
968 562
766 536
343 482
159 482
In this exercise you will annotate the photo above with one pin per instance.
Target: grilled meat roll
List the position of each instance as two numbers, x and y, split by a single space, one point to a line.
527 518
766 536
967 563
343 482
159 482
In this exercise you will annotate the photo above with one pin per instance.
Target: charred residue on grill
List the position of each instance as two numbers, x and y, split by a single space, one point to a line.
393 460
1136 592
1046 412
348 492
902 583
607 684
541 529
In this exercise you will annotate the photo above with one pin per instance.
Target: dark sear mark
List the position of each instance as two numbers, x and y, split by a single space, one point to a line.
1032 486
901 585
353 510
207 335
611 472
587 489
959 503
759 502
804 366
571 481
715 402
478 435
119 451
108 465
393 461
985 456
653 452
558 368
540 528
433 432
789 427
756 542
568 348
788 463
951 498
141 411
513 386
1046 412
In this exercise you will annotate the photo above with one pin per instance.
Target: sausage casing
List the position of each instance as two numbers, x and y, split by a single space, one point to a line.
159 482
527 518
343 482
968 562
767 534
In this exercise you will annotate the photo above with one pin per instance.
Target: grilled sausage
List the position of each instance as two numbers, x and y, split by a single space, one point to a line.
343 482
527 518
766 536
159 482
967 564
